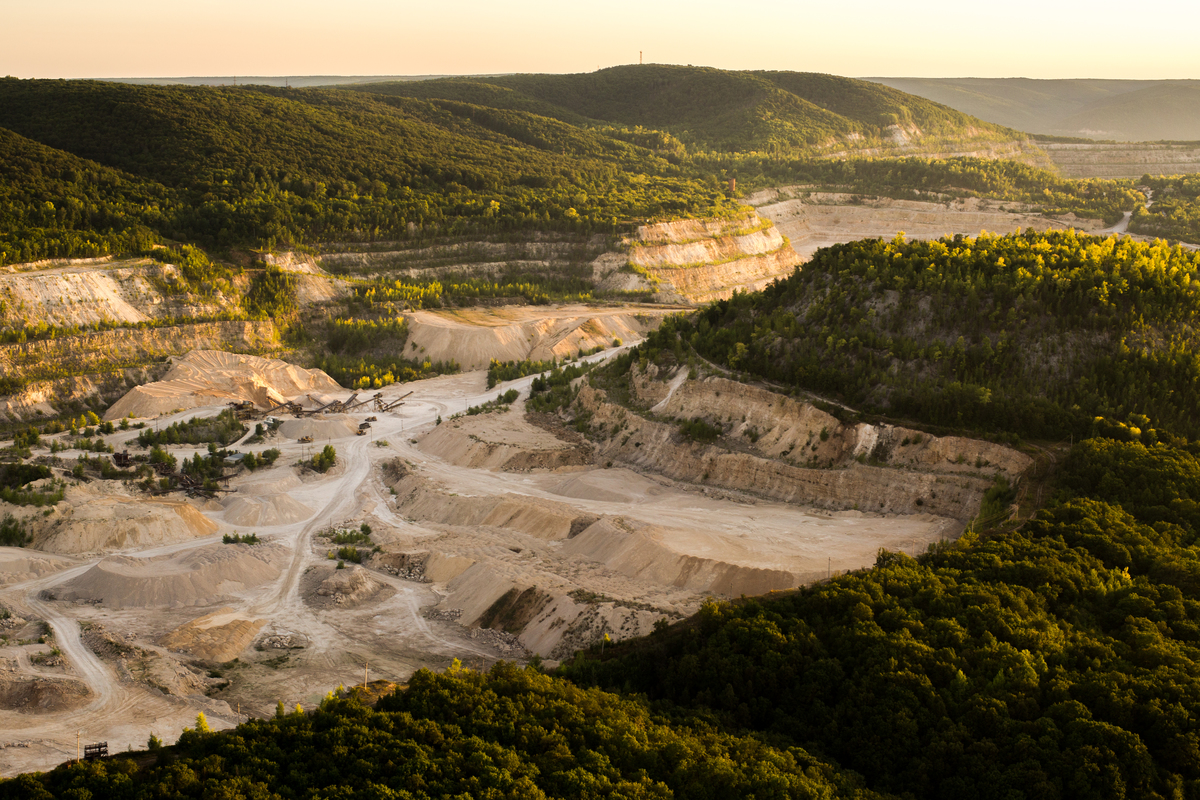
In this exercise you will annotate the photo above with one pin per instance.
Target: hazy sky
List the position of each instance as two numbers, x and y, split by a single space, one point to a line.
928 38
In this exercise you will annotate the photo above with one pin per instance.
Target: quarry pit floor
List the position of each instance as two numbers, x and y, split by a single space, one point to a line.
294 646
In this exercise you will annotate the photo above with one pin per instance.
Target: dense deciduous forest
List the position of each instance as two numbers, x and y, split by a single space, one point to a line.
511 733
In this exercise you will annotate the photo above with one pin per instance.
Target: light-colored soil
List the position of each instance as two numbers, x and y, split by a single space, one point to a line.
812 220
102 517
473 337
205 377
198 577
220 636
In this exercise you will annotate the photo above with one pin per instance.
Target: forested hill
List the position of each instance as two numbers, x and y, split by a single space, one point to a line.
256 165
706 109
1033 334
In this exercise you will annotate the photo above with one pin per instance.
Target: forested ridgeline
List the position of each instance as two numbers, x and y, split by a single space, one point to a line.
511 733
701 109
95 168
1033 334
258 166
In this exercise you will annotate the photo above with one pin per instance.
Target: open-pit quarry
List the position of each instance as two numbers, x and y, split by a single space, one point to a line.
495 535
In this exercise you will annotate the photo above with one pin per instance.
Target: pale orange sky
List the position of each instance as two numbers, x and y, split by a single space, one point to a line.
144 38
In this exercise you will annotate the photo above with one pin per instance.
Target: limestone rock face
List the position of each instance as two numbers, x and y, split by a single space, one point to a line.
778 447
696 261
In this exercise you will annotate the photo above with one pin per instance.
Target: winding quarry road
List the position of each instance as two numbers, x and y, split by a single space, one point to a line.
124 713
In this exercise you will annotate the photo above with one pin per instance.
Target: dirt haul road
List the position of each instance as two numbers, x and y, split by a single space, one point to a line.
291 644
125 713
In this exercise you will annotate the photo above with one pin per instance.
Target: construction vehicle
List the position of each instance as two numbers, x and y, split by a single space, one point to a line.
305 440
372 418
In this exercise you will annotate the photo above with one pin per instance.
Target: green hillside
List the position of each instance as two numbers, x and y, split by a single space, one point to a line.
55 204
509 734
258 166
784 113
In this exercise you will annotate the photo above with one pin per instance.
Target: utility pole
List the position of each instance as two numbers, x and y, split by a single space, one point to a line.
78 736
639 56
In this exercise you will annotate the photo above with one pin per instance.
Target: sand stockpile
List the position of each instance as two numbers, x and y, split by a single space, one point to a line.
197 577
321 428
502 441
220 636
208 377
544 519
18 565
644 552
265 512
97 522
475 336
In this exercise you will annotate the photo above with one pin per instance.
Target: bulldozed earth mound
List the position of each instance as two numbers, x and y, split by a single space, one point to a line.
42 695
503 441
264 512
220 636
18 565
208 377
349 587
474 337
97 518
321 427
197 577
418 499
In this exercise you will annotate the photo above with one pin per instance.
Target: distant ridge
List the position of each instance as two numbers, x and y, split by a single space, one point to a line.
297 81
707 109
1120 110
